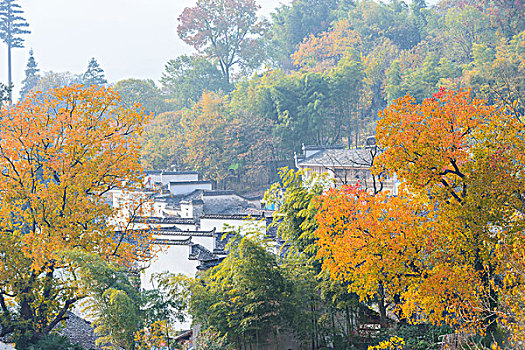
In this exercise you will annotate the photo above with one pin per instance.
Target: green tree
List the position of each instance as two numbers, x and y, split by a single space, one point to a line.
455 29
324 312
143 92
224 30
12 27
244 297
163 142
497 74
375 21
421 81
4 93
294 197
299 103
114 301
52 80
346 85
376 64
187 77
168 300
31 78
291 24
94 74
210 340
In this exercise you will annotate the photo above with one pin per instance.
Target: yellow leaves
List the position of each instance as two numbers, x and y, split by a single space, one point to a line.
394 343
450 246
428 143
368 239
328 47
153 336
61 152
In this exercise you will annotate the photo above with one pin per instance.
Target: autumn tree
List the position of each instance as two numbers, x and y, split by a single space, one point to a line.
61 153
227 31
327 48
12 27
223 143
356 235
436 246
210 138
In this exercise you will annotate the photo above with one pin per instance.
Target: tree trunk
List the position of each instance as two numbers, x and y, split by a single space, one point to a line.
356 125
382 307
227 73
9 77
313 326
348 322
334 331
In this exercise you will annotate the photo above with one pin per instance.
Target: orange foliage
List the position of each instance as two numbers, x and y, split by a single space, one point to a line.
371 241
449 248
328 47
60 155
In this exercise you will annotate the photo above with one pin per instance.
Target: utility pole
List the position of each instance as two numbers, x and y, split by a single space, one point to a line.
9 44
12 26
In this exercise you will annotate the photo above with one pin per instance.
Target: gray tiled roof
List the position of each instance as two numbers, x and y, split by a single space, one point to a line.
233 216
79 331
337 157
168 220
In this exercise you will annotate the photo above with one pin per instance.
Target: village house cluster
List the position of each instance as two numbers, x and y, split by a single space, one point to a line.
193 222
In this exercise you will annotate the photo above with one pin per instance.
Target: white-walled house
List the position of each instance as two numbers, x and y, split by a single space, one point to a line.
188 219
345 166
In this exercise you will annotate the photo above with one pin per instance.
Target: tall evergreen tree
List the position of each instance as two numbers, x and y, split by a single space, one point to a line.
94 75
32 76
4 93
12 26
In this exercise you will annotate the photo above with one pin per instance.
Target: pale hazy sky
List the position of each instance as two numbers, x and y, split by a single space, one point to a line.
129 38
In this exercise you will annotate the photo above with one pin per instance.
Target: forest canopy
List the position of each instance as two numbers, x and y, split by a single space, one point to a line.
330 66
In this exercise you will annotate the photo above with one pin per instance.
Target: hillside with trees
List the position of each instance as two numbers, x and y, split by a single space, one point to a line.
328 68
435 262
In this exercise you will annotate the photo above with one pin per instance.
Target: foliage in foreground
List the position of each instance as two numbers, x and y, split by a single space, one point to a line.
448 249
49 342
244 298
61 152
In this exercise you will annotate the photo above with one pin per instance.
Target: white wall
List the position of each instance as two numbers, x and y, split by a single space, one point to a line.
186 210
4 346
206 242
166 177
175 260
